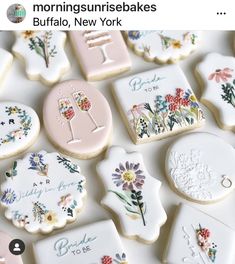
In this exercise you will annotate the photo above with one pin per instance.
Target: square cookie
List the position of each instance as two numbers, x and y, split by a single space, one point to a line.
199 239
157 103
97 243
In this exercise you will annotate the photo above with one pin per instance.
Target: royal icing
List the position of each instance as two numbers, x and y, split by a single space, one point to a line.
43 53
83 117
218 75
6 257
5 62
100 53
43 191
19 127
162 45
197 238
132 194
196 167
97 243
157 103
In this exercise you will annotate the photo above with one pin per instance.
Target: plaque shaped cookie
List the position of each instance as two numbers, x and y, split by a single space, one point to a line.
217 76
43 191
100 53
97 243
157 104
5 62
163 46
43 54
198 238
132 194
197 168
19 128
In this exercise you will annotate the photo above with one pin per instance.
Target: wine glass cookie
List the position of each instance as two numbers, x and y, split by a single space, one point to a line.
200 167
43 192
132 194
217 76
19 128
101 54
163 46
78 119
5 62
196 237
43 54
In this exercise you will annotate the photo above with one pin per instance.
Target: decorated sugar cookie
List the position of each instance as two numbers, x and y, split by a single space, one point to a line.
197 168
5 62
101 54
163 46
132 194
6 257
19 128
82 116
217 73
198 238
43 191
43 54
157 103
97 243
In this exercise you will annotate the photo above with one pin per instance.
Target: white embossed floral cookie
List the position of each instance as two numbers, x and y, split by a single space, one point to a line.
196 237
43 54
6 59
132 194
156 104
217 76
78 119
43 192
6 257
163 46
97 243
19 128
200 167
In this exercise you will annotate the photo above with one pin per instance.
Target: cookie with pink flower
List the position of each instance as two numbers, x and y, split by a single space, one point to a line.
216 74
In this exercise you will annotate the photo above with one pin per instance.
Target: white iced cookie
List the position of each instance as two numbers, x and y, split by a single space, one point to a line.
162 46
19 128
132 194
97 243
200 166
217 76
6 60
43 191
156 104
198 238
43 54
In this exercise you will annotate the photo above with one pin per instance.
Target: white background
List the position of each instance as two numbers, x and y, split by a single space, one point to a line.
17 87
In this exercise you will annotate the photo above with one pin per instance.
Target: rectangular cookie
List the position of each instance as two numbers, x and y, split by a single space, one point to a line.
101 54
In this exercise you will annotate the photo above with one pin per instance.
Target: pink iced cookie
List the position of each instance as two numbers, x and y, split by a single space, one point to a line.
101 54
6 257
78 119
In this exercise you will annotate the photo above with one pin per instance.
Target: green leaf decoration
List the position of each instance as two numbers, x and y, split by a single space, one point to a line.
122 197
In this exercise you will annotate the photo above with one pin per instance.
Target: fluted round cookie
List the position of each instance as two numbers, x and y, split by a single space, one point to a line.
78 119
200 167
42 192
19 128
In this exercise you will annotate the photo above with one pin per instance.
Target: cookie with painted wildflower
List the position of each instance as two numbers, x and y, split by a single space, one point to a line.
216 74
156 104
196 237
19 128
43 54
132 194
97 243
6 60
163 46
42 192
197 169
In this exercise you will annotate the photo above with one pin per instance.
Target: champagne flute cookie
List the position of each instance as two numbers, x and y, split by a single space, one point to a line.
132 194
43 54
43 192
6 60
